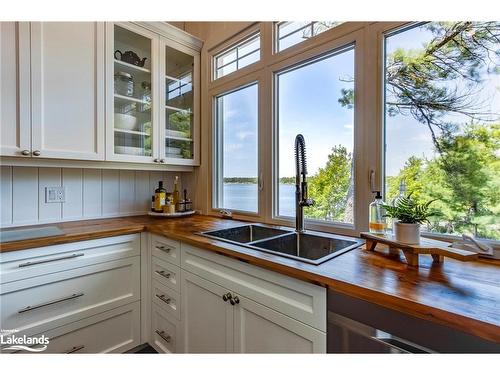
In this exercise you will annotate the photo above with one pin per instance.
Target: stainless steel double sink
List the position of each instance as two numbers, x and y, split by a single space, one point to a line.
310 247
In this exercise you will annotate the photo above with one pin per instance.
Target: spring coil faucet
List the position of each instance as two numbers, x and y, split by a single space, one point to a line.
301 199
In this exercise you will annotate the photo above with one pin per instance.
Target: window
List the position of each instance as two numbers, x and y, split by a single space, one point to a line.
310 99
442 116
291 33
244 53
236 156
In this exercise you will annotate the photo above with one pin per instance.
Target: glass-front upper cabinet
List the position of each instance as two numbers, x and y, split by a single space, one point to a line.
132 95
179 99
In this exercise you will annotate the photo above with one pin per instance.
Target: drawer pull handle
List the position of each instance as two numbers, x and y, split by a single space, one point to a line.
162 297
164 248
27 264
29 308
74 349
162 335
162 273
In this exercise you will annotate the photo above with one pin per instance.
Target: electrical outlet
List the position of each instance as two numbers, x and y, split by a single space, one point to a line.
55 194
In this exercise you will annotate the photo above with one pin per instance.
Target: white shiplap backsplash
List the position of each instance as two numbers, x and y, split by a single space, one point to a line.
90 193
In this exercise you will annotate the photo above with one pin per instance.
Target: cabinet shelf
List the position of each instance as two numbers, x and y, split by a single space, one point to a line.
178 109
131 68
134 132
179 138
123 98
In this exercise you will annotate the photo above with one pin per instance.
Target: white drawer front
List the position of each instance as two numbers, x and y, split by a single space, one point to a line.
166 332
45 302
298 299
17 265
165 273
167 299
114 331
166 249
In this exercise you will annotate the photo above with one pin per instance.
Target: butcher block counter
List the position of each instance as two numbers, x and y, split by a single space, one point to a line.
464 296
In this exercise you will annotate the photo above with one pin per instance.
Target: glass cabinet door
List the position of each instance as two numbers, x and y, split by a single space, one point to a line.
179 105
132 95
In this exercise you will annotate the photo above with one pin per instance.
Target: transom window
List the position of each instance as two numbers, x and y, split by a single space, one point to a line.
242 54
292 33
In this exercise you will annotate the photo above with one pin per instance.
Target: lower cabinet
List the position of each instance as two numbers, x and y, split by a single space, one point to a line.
208 320
114 331
259 329
167 332
218 320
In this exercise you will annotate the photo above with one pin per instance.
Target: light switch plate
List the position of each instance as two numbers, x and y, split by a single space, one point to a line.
55 194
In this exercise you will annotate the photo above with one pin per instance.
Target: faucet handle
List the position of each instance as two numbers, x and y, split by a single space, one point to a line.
307 202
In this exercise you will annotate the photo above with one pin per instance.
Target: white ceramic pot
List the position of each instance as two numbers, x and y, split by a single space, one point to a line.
407 233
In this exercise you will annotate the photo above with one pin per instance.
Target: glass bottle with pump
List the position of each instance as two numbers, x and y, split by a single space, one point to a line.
160 196
377 222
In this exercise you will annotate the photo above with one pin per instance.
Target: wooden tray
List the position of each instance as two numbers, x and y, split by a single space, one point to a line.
175 214
437 249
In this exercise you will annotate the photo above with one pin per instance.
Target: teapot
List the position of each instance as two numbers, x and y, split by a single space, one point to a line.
130 57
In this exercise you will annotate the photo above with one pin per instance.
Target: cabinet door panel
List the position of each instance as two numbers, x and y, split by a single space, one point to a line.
259 329
207 319
15 129
67 60
179 137
131 102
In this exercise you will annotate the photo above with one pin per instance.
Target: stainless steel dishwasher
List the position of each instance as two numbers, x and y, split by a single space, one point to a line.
357 326
349 336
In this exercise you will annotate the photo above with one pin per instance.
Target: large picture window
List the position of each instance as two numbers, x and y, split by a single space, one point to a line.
310 99
442 122
236 156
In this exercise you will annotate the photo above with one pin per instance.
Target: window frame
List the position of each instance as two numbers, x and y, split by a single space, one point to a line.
317 51
217 160
240 38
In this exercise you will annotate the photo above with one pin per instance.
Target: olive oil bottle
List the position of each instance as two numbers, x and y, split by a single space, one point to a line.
160 196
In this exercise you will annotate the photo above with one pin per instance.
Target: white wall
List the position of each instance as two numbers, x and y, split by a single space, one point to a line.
90 193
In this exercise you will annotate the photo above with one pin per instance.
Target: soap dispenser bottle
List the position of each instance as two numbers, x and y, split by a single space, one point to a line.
377 220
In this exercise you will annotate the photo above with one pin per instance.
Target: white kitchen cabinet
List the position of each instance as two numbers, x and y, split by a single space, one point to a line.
15 127
52 90
67 88
179 95
259 329
152 95
214 325
207 319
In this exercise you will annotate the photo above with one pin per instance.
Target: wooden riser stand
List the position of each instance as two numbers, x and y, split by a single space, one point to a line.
437 249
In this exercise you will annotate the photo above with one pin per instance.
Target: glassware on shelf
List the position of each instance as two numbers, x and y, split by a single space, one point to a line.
145 97
124 84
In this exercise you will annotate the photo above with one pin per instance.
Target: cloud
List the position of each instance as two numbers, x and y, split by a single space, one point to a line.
242 135
349 126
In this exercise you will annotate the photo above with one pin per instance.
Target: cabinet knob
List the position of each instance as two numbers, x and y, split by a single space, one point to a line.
227 297
162 160
25 152
36 153
236 299
156 160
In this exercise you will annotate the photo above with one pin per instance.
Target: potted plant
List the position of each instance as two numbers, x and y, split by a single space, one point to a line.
408 215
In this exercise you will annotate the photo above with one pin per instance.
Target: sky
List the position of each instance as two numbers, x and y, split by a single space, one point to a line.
308 104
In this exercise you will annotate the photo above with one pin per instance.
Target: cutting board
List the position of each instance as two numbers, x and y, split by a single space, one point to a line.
437 249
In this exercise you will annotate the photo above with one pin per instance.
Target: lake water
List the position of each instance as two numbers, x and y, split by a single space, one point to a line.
243 197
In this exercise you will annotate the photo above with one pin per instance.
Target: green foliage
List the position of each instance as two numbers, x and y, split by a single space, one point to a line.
408 211
465 180
330 186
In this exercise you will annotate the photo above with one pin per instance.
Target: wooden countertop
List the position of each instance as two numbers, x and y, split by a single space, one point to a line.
465 296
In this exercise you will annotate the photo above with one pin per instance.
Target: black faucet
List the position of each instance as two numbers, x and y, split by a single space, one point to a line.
301 199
